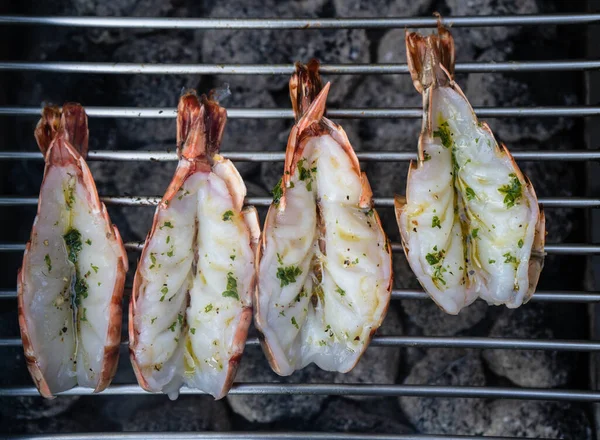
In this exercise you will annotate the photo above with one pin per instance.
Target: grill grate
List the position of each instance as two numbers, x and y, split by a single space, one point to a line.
585 297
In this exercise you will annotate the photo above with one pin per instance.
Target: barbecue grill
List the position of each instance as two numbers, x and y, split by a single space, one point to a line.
589 202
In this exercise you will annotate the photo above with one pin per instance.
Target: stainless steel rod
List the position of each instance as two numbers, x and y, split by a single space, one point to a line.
547 202
353 113
348 390
283 69
441 342
254 435
558 249
290 23
414 294
243 156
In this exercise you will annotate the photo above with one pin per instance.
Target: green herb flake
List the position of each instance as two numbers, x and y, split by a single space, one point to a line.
152 259
426 156
81 290
232 257
509 258
164 292
208 308
490 261
435 222
180 319
520 243
227 215
193 331
172 326
95 268
277 192
167 225
73 241
89 242
84 315
474 232
512 191
294 323
171 252
470 193
322 343
341 291
287 275
168 239
48 262
153 320
434 258
231 291
443 132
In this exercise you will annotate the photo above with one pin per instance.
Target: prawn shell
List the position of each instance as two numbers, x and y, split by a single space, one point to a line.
57 151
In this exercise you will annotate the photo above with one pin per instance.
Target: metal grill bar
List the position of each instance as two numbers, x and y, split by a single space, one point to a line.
299 23
250 436
242 156
558 249
353 113
283 69
348 390
412 294
440 342
547 202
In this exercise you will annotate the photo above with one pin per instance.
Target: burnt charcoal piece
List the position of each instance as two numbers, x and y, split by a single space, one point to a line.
488 36
381 8
531 419
529 368
152 90
343 416
32 408
279 46
433 415
187 413
434 321
269 408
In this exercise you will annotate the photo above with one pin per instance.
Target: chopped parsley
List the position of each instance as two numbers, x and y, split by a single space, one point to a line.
193 331
208 308
153 319
73 242
510 258
180 319
434 258
171 252
490 261
89 242
435 222
294 323
231 291
164 292
227 215
512 191
426 156
232 257
48 262
520 243
81 289
83 316
470 193
168 239
475 232
277 192
341 291
322 343
153 259
443 132
287 275
167 225
95 268
172 326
